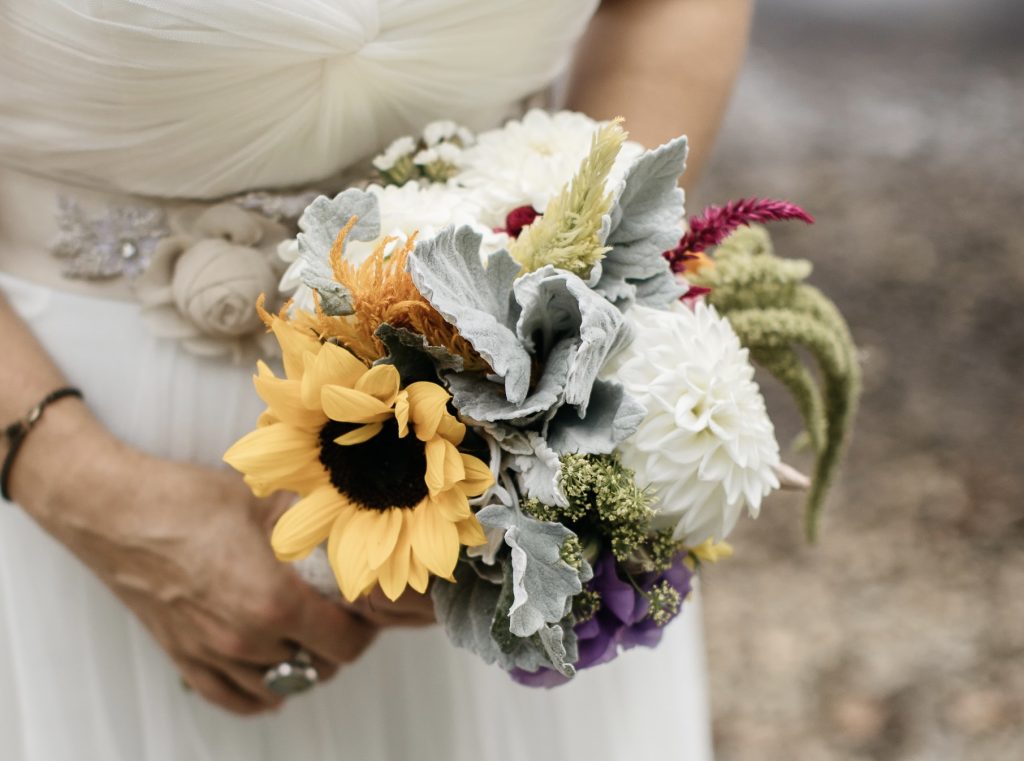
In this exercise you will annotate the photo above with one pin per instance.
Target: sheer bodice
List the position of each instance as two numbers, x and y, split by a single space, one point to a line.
203 99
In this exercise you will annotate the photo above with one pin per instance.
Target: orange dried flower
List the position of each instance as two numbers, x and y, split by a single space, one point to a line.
383 292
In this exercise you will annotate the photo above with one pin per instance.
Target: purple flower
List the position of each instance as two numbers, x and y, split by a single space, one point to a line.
621 622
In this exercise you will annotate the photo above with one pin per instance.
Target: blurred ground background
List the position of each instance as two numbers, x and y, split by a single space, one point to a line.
900 637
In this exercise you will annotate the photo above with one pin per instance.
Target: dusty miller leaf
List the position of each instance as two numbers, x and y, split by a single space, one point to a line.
543 584
646 221
557 305
319 226
540 469
612 418
413 357
466 610
482 400
476 300
553 646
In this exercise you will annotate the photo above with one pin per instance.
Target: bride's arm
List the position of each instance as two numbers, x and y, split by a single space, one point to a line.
184 547
666 65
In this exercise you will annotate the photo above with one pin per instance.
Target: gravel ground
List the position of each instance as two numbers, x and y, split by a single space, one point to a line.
900 635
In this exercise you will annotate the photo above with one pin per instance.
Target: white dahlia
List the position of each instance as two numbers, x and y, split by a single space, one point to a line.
706 446
404 210
527 162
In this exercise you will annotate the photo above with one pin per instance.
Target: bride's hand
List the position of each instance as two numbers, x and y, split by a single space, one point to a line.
186 549
411 609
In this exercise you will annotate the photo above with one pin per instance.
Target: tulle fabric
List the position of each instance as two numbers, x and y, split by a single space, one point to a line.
203 99
80 679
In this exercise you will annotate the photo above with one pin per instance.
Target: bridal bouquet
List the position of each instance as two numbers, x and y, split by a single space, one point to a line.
508 381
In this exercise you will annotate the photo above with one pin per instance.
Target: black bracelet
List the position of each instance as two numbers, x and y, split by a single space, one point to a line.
17 432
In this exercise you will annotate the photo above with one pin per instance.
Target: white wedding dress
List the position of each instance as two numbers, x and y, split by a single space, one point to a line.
178 98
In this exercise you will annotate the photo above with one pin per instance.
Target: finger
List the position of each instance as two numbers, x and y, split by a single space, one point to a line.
249 680
232 646
324 671
411 606
411 609
218 690
328 631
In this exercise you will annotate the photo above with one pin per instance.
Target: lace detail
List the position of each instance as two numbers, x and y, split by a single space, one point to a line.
118 241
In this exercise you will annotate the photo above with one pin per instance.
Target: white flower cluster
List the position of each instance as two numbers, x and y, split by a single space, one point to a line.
401 148
527 162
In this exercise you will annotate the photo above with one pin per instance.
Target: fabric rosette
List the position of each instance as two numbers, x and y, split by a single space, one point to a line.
200 287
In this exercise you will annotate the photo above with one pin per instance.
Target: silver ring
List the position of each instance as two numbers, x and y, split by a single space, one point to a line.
293 676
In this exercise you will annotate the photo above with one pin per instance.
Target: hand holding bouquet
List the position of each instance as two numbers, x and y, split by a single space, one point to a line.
504 369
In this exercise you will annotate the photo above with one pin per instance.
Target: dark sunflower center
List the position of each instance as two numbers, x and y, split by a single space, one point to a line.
384 472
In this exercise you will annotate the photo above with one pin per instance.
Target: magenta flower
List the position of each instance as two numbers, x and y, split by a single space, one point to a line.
717 223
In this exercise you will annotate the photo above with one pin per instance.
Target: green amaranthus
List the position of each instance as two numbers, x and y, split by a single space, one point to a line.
773 311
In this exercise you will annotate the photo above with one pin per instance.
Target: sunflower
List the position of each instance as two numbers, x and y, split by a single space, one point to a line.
377 467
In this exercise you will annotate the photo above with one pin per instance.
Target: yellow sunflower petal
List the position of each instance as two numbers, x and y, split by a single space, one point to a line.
435 541
419 576
332 366
359 435
284 400
302 481
384 536
307 523
434 475
402 413
454 470
294 344
273 452
452 504
266 418
346 551
451 429
478 477
471 533
427 406
381 382
347 405
444 465
394 572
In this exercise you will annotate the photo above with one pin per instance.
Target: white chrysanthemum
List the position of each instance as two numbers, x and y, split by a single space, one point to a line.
527 162
706 445
403 210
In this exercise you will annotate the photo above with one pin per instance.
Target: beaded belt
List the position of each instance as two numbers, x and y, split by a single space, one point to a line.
196 268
